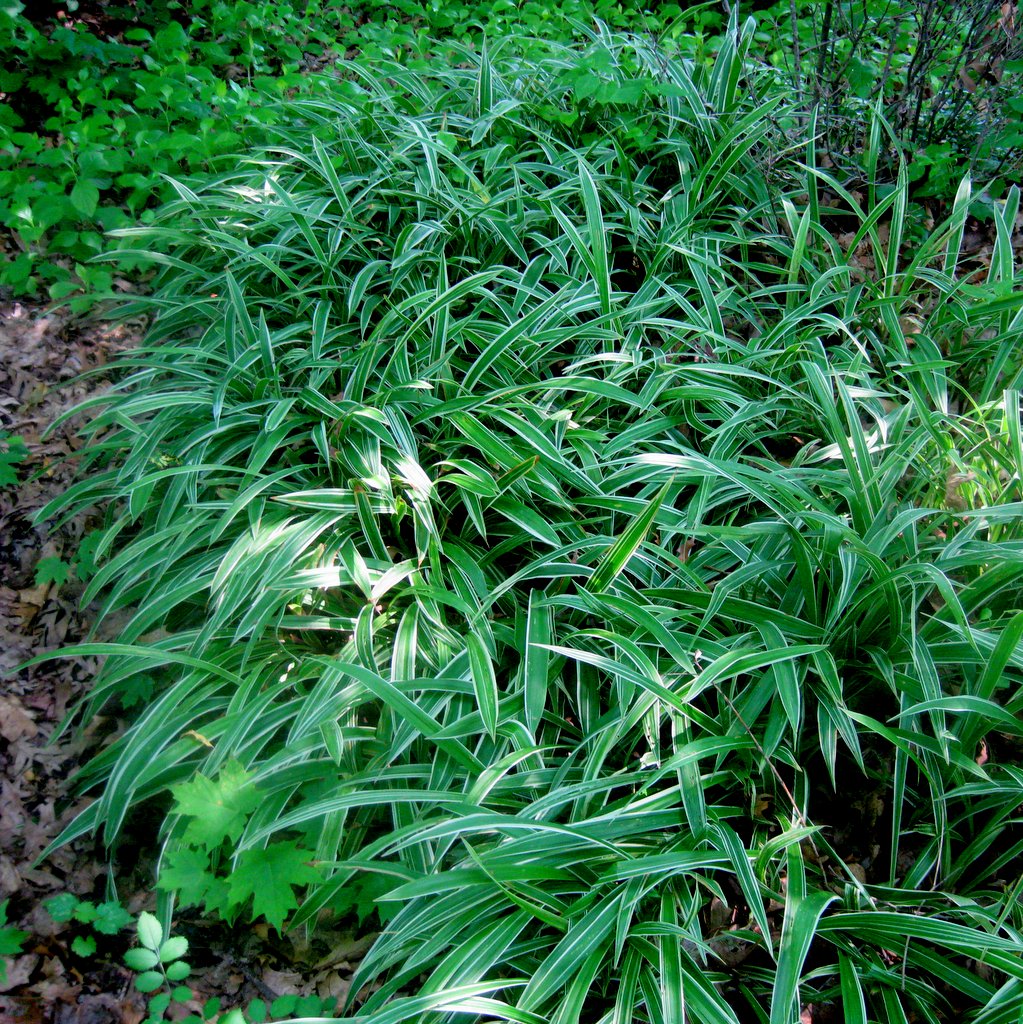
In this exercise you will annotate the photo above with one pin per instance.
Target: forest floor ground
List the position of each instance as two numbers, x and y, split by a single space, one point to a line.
42 357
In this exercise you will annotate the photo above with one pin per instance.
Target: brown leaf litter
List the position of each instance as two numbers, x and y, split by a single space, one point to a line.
42 355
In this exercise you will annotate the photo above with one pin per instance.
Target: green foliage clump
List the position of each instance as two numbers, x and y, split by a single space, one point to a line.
161 970
944 74
217 813
107 918
524 500
93 123
90 125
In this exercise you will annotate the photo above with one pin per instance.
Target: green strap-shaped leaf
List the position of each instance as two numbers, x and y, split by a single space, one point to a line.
409 711
571 952
599 261
798 931
854 1006
617 556
537 658
484 682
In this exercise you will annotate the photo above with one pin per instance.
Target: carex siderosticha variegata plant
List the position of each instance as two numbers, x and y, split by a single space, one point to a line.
585 522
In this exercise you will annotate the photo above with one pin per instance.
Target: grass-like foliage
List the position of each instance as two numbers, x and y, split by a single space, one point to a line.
531 515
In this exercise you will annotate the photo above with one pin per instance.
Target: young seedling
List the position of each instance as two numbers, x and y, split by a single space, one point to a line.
11 940
159 961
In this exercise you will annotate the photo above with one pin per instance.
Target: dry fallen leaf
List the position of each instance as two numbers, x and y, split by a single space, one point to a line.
15 723
19 971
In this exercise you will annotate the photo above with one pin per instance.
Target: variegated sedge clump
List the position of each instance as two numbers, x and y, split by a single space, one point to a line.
556 553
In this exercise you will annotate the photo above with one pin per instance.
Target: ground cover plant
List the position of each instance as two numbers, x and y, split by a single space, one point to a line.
101 102
577 530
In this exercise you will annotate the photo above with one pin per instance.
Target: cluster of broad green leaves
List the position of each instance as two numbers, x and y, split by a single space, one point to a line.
95 115
546 526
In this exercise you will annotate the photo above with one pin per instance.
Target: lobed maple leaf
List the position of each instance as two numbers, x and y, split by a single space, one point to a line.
12 451
267 876
11 940
218 807
52 570
186 871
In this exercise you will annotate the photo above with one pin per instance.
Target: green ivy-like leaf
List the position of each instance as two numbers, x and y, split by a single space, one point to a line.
85 912
111 918
61 907
83 945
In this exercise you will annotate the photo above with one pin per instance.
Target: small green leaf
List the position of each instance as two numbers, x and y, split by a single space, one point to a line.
149 981
83 945
283 1006
178 971
150 931
159 1003
85 198
52 570
181 993
173 949
141 959
12 451
85 912
62 907
11 940
111 918
309 1006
